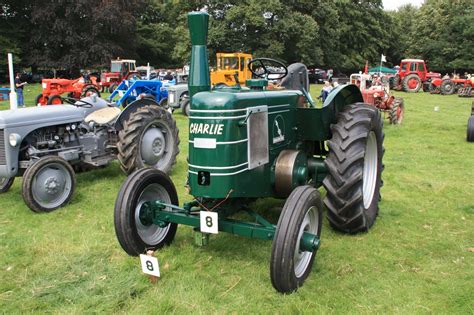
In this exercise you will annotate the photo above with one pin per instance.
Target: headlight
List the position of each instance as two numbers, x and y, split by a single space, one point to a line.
45 85
14 139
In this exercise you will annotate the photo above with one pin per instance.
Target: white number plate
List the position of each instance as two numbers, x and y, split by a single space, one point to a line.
209 223
170 98
150 265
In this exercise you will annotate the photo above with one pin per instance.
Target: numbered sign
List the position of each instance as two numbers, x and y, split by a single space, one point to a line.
150 265
209 222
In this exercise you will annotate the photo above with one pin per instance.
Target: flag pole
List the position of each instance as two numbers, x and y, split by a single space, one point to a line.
13 96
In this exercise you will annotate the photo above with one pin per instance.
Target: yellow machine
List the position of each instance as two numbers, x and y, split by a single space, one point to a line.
228 64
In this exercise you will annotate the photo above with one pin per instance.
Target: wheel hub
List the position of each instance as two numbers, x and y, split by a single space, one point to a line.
370 170
52 185
152 146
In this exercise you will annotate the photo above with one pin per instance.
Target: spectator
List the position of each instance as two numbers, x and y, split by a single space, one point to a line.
446 76
19 90
168 76
325 91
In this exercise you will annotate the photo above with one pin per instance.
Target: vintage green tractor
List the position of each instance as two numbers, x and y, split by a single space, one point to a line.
254 142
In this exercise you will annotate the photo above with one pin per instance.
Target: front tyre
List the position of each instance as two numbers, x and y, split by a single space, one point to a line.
134 234
149 138
48 184
6 183
411 83
354 166
289 265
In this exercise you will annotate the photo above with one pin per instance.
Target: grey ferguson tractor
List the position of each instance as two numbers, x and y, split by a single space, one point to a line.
46 144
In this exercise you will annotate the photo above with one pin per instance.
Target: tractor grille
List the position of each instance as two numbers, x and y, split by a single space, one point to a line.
3 161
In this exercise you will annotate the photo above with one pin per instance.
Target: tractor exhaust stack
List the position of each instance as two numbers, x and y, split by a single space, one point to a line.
199 78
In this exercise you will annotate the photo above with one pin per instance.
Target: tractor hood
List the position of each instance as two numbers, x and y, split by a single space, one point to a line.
43 115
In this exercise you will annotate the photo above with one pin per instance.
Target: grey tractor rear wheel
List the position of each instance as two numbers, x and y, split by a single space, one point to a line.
447 87
48 184
397 112
149 138
470 129
6 183
411 83
289 265
354 165
133 233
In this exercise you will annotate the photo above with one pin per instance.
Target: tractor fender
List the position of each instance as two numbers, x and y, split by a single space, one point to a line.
132 107
315 123
341 96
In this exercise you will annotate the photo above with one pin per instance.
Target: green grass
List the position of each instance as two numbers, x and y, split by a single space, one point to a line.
414 260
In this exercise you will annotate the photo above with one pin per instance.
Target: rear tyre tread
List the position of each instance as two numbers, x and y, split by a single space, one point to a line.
345 162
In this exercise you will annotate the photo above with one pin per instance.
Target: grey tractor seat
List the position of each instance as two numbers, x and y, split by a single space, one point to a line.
297 77
103 116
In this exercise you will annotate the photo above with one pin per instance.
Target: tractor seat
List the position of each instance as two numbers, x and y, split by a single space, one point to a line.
103 116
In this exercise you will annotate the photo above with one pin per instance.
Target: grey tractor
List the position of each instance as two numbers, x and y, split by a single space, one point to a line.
178 95
47 144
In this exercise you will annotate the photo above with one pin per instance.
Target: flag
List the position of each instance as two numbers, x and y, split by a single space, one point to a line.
382 59
366 69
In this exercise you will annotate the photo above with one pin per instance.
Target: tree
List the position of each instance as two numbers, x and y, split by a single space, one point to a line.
81 33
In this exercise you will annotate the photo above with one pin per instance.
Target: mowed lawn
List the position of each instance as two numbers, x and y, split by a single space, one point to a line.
418 257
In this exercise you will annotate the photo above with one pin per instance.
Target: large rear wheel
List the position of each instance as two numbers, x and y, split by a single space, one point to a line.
354 165
134 232
447 87
290 265
397 112
149 138
470 129
411 83
55 100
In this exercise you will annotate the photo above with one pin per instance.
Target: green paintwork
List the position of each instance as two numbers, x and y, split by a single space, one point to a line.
225 122
199 79
262 229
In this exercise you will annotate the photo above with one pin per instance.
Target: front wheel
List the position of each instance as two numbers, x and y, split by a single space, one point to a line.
55 100
149 139
6 183
134 231
354 165
290 265
41 100
48 184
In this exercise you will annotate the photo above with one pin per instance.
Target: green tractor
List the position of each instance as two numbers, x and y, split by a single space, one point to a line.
256 142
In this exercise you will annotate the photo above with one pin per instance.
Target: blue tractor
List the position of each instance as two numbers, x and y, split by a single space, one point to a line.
131 90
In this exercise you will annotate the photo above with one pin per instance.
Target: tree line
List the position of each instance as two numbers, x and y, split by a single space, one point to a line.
339 34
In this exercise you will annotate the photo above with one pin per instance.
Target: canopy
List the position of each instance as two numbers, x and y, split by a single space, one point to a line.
383 70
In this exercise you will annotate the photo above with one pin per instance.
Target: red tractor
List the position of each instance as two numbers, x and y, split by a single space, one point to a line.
120 69
376 91
464 87
78 88
413 75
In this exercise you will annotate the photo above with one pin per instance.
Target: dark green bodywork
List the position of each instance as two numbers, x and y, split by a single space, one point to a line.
235 138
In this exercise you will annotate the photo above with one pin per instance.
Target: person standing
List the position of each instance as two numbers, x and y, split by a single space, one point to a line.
19 90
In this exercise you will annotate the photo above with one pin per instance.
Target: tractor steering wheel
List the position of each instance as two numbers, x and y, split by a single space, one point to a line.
74 101
267 71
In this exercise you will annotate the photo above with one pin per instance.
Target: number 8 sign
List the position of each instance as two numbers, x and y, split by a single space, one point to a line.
150 265
209 222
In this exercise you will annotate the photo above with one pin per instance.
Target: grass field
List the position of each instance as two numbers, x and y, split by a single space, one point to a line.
418 257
